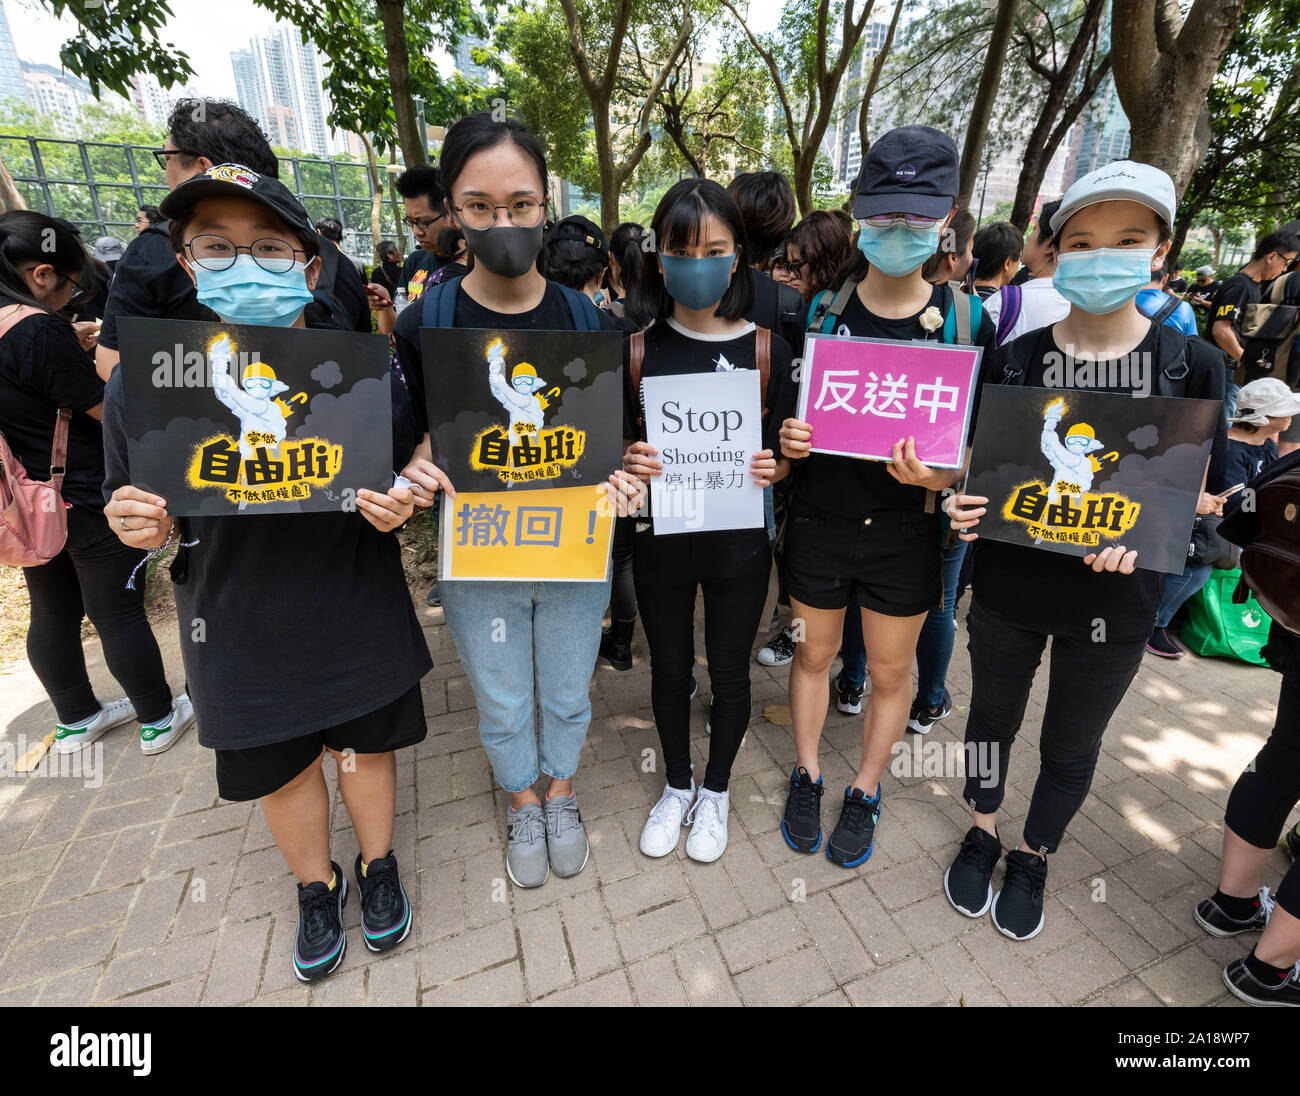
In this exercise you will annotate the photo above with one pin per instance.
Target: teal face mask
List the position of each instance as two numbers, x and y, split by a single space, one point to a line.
1103 279
697 283
245 293
898 250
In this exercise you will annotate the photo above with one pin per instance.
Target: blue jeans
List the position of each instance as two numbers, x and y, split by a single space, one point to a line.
1230 390
1178 588
933 647
527 646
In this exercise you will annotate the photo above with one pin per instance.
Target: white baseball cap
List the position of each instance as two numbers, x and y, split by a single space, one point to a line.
1264 399
1124 181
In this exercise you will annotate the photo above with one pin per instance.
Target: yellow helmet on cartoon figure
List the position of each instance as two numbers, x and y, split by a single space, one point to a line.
523 369
259 370
1081 430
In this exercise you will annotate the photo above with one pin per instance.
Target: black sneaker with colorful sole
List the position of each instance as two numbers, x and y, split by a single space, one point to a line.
385 911
321 942
854 836
801 824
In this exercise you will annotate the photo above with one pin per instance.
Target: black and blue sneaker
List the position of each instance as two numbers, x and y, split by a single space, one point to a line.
385 912
854 835
801 825
321 941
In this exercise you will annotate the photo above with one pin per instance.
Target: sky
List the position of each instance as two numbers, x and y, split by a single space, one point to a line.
209 41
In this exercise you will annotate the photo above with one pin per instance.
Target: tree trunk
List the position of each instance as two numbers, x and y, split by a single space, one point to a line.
376 193
399 210
10 196
1164 66
972 152
1176 244
399 82
1216 234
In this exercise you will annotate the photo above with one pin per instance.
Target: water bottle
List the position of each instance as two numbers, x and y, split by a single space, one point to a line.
400 301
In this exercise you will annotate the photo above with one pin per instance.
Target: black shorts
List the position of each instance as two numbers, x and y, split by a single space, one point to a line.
888 562
261 770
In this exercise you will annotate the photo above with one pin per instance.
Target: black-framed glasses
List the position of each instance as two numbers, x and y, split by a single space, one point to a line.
161 154
423 223
79 293
521 212
212 252
793 267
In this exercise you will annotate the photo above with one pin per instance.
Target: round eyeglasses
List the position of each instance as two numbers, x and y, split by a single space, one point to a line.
912 220
213 252
520 212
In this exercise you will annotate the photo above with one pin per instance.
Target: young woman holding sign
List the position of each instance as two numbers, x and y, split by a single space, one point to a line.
862 535
696 291
525 645
1112 229
298 631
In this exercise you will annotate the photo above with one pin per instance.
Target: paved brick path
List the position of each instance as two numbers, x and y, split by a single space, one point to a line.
149 890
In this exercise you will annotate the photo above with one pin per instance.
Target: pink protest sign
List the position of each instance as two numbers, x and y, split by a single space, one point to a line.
861 395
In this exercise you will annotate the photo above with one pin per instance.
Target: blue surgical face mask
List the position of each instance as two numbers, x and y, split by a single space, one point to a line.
898 250
697 283
245 293
1103 279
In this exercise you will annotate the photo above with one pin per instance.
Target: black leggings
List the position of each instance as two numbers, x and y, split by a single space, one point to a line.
732 568
622 594
1086 683
1264 794
88 578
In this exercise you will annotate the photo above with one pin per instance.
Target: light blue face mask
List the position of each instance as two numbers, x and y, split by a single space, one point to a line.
1103 279
245 293
697 283
898 250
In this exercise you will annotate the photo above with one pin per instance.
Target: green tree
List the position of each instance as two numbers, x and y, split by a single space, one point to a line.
119 39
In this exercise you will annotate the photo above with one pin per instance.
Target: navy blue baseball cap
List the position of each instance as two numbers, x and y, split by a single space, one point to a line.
911 169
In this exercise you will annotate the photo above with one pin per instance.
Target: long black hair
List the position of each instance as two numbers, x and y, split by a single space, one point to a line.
625 246
29 237
678 221
478 132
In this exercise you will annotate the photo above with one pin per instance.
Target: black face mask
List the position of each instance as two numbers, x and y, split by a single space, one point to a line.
505 250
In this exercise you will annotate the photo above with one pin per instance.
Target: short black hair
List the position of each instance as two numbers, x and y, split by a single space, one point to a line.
1045 234
151 214
479 132
994 244
1158 274
331 228
221 132
767 208
424 181
1276 241
676 223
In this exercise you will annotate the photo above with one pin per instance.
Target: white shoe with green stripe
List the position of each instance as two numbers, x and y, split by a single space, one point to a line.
112 714
154 739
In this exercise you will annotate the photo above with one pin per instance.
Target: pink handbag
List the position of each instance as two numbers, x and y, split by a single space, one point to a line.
33 516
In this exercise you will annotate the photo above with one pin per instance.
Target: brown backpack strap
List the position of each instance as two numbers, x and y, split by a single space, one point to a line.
763 362
635 356
59 451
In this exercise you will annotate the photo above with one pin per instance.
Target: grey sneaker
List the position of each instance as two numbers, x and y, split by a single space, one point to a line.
566 840
526 861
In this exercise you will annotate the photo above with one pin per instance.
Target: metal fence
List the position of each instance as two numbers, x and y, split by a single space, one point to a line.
98 186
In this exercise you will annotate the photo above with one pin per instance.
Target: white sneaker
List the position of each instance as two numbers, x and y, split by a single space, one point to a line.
708 821
779 650
154 740
112 714
663 828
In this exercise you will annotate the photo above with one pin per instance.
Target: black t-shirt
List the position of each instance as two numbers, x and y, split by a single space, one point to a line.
1055 593
670 349
851 487
149 281
1240 462
387 274
308 619
42 366
340 280
1233 295
984 292
1177 285
780 309
551 314
1195 289
416 272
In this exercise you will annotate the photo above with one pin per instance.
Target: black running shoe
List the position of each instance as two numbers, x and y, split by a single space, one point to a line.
801 825
1212 918
1161 643
923 717
1291 842
1018 906
848 698
1242 983
854 835
321 940
385 912
968 880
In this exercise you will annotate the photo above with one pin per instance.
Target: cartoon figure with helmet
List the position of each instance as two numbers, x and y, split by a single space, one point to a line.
256 404
520 396
1072 461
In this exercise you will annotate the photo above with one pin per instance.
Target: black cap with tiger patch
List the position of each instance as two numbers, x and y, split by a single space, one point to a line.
237 181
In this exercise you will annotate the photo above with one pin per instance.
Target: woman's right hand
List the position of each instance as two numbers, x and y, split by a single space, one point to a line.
427 479
639 461
377 297
139 519
964 512
796 439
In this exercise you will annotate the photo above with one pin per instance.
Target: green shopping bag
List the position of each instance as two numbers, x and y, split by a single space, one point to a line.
1218 628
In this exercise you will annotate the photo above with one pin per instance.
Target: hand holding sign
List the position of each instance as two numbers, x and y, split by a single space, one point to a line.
906 467
796 439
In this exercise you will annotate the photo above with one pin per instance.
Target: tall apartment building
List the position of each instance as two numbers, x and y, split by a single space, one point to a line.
278 80
12 85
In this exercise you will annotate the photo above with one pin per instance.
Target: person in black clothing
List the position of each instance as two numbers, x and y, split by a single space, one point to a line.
148 281
344 675
1113 229
424 197
43 368
625 247
451 246
996 249
340 280
145 216
388 266
701 242
1176 284
864 536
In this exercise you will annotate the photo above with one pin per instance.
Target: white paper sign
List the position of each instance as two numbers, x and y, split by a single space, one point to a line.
707 428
